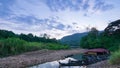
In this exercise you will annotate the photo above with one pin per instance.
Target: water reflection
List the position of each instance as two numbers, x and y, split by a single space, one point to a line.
55 64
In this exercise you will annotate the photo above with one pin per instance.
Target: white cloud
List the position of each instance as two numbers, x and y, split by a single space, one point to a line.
24 7
7 24
39 10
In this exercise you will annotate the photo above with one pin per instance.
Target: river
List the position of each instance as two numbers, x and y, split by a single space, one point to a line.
55 64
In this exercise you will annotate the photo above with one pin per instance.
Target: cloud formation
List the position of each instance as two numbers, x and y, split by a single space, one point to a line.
78 5
55 17
5 7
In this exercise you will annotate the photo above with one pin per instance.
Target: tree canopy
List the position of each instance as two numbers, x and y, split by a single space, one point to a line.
29 37
108 39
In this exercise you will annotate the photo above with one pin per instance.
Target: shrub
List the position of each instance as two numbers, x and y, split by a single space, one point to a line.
13 46
115 57
55 46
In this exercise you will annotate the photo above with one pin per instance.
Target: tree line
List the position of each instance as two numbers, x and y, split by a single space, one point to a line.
109 38
27 37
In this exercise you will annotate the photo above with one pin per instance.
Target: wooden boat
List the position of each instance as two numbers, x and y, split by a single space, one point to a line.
89 57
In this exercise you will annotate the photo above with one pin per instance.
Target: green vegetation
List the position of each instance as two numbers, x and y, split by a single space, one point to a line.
109 39
100 41
115 57
4 34
13 44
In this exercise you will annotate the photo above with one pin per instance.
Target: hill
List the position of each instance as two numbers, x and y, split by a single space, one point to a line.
73 40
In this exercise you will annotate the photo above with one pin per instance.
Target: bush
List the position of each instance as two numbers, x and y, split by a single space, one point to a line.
13 46
32 46
115 58
55 46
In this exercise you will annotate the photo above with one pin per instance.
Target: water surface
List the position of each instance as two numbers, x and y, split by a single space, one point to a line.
55 64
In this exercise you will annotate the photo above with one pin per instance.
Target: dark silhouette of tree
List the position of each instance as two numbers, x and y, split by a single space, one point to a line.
7 34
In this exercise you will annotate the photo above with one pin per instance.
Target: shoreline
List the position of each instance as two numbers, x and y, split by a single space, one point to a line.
103 64
36 57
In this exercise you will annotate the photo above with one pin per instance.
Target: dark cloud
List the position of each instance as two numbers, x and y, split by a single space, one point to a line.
60 26
74 23
69 27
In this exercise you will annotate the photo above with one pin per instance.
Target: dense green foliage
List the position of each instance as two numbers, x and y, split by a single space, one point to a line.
29 37
115 57
114 29
100 41
109 39
12 44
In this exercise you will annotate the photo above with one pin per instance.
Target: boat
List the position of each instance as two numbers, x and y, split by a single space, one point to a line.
89 57
73 63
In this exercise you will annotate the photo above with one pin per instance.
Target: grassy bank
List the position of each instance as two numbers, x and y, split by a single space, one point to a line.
115 57
13 46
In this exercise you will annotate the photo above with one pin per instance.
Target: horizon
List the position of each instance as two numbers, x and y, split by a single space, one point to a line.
57 18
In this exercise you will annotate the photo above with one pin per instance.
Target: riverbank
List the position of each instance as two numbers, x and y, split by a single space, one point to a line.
103 64
36 57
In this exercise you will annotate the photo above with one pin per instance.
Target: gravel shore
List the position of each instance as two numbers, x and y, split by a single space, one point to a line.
36 57
103 64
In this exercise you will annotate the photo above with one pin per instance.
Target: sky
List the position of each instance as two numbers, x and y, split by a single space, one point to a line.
57 18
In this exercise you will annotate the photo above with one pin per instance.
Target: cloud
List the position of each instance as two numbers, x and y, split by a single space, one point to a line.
38 24
25 24
102 5
78 5
32 23
55 17
4 24
60 26
5 7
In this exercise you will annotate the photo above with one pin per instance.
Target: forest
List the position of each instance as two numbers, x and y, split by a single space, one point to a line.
108 39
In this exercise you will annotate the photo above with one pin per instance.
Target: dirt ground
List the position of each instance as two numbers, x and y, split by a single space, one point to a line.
36 57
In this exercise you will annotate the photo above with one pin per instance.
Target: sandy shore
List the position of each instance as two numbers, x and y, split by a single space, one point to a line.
36 57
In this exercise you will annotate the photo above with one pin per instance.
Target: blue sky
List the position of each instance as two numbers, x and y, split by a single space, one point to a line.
57 18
